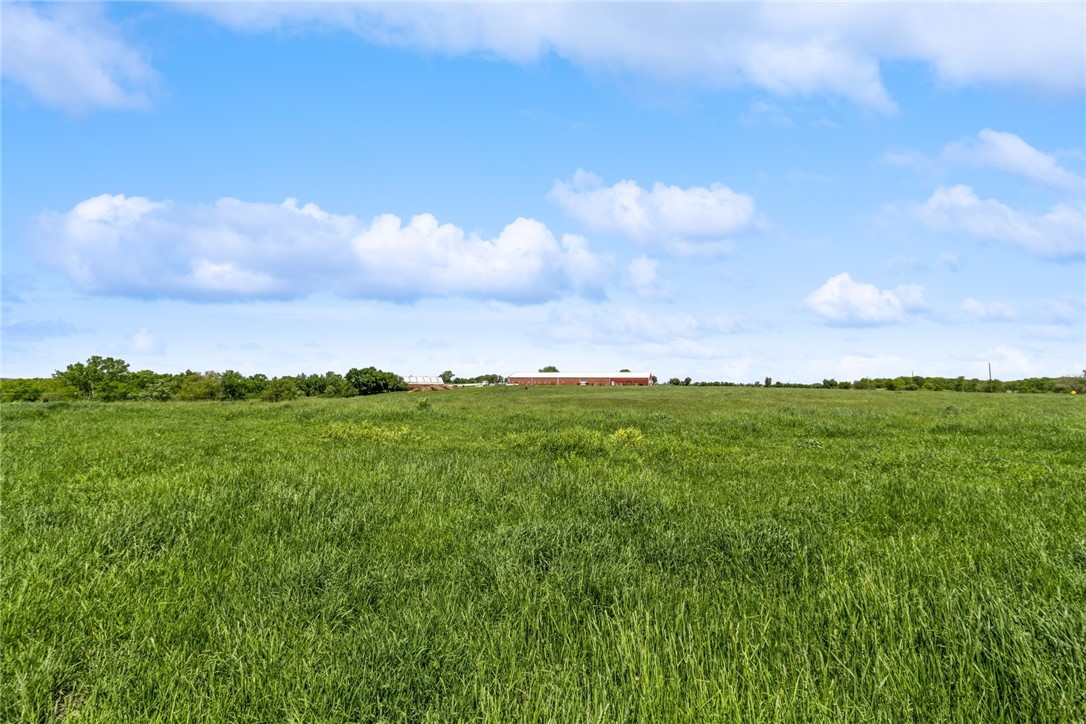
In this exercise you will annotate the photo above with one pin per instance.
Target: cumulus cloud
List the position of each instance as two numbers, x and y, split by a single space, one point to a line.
789 50
695 220
232 250
1008 152
69 56
842 301
1058 234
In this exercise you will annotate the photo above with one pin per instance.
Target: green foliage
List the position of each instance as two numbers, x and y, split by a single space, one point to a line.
107 379
549 368
194 386
234 385
372 381
100 378
159 390
22 390
490 379
330 384
336 385
660 554
280 389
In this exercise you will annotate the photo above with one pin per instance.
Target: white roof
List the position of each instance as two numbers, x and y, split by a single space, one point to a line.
583 375
423 380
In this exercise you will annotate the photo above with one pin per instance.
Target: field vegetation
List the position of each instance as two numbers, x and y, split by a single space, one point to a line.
498 554
109 379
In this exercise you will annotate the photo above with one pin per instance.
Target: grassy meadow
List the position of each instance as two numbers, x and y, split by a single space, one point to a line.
508 555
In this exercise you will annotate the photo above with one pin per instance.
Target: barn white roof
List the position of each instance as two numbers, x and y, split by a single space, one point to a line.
423 380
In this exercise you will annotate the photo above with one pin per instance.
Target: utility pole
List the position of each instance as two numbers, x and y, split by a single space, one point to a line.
989 377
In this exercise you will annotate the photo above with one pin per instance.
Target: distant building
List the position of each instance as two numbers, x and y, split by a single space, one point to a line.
423 381
583 379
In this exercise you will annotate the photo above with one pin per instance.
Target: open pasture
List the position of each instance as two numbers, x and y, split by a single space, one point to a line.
663 554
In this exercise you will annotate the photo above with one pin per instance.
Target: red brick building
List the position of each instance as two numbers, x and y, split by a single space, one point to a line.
583 379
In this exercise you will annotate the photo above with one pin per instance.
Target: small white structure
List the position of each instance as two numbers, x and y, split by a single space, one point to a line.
423 381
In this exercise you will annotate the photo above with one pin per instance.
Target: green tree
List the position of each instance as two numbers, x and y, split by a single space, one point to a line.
549 368
447 376
160 390
279 389
336 386
21 390
207 386
100 378
256 384
233 385
372 381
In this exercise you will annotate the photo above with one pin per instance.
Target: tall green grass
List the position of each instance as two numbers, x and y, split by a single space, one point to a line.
664 554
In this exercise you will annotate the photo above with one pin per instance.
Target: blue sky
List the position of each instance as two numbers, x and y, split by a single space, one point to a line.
722 191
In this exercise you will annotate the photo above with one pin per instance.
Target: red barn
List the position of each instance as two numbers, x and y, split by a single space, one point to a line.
583 379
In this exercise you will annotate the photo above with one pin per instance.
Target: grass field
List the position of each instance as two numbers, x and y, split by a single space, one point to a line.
664 554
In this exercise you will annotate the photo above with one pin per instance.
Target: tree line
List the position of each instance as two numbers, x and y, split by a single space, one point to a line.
917 382
109 379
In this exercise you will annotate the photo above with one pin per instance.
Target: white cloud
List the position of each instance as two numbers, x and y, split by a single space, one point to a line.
911 296
1008 152
1058 234
69 56
132 246
805 67
620 325
641 273
1009 363
842 301
1036 45
679 333
144 341
787 49
692 220
988 311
